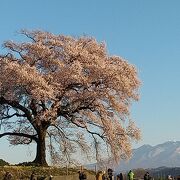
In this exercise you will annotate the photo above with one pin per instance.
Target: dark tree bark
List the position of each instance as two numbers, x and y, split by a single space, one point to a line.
40 158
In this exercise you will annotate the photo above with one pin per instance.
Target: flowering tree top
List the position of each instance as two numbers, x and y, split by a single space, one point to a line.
68 87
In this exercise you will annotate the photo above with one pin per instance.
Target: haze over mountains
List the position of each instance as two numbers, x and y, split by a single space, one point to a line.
147 156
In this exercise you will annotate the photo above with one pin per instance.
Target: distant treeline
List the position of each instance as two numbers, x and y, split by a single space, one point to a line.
165 171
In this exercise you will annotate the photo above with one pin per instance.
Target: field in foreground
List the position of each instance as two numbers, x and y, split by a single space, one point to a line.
24 172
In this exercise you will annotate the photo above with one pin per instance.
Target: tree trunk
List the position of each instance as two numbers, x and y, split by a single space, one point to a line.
40 159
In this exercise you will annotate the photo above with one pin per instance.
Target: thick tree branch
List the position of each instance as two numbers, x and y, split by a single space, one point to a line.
15 104
33 137
33 107
15 114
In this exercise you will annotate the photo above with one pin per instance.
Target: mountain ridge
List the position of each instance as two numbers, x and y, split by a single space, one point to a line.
147 156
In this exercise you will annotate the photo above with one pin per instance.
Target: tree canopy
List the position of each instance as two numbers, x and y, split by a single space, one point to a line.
67 94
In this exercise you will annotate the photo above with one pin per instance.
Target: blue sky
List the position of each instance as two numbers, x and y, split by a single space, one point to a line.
146 33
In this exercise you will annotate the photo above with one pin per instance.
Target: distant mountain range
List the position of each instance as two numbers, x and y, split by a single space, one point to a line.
147 156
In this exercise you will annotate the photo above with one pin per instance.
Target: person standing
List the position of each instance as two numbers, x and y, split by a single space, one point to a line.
130 175
120 176
169 177
50 177
82 175
110 174
146 176
105 176
99 175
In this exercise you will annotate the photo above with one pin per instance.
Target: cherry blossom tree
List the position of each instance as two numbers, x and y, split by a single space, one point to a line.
67 94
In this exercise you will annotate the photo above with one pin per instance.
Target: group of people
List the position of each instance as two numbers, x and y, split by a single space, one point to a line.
131 176
103 175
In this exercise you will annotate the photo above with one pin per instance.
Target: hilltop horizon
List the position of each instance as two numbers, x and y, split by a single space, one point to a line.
147 156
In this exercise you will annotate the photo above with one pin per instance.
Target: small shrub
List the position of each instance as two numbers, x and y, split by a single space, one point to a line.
3 163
